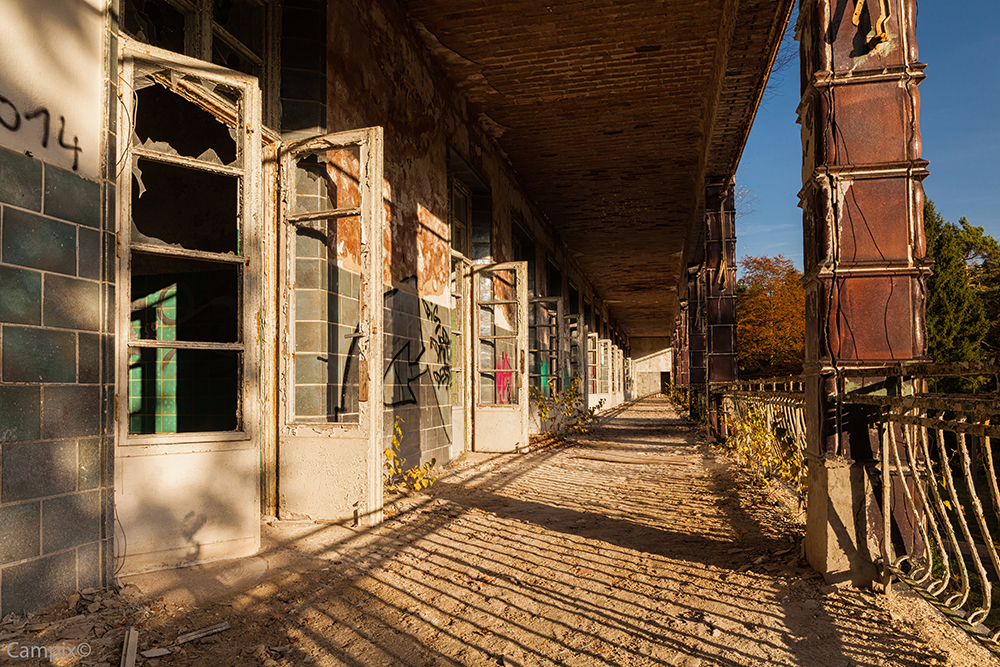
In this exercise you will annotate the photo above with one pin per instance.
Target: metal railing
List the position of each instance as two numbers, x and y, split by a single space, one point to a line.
766 427
933 472
936 481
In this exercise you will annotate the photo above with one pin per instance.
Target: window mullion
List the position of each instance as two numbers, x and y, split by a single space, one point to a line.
198 31
184 344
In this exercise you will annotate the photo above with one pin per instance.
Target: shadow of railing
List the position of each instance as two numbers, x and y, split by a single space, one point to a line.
551 557
933 472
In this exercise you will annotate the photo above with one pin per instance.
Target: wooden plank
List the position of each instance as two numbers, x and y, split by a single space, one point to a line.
183 345
177 251
129 647
204 632
326 214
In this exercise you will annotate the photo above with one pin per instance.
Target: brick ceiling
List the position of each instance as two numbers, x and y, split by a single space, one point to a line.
616 114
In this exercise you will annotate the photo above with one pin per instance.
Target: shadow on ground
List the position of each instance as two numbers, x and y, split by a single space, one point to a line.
544 558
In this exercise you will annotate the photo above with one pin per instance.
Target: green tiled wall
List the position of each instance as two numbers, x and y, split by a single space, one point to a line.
327 317
56 450
418 379
57 267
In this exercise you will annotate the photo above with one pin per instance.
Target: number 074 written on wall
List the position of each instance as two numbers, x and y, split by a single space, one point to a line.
13 120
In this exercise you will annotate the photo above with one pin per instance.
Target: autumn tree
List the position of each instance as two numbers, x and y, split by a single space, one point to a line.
770 317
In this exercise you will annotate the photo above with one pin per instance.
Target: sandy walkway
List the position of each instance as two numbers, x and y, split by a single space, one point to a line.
637 545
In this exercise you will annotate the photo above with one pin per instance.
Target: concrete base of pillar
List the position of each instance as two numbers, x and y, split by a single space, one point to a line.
837 540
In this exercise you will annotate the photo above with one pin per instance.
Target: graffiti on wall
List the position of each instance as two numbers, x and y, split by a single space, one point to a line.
54 96
11 119
440 339
411 361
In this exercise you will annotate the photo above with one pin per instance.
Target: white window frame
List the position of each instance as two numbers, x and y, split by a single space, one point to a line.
245 118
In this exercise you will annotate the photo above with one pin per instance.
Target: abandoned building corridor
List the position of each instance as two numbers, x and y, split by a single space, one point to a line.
636 544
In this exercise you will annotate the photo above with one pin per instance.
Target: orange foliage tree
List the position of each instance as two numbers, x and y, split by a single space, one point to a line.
770 317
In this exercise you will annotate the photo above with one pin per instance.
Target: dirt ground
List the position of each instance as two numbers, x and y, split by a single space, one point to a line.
637 544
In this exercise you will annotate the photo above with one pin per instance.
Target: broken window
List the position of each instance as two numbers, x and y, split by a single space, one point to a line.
524 251
155 22
574 335
573 352
238 35
553 279
603 366
592 363
470 209
544 345
186 246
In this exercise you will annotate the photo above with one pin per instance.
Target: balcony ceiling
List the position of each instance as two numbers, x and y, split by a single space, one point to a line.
616 115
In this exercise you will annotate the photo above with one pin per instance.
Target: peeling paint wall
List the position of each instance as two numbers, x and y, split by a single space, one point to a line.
380 73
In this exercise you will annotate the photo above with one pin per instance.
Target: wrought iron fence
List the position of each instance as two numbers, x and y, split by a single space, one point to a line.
936 482
933 477
765 425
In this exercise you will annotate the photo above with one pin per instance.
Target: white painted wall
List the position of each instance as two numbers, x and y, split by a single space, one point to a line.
648 369
184 504
52 80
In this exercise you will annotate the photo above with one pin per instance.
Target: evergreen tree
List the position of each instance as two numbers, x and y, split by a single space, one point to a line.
982 261
956 318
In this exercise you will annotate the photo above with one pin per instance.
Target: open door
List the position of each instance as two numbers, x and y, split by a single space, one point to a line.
500 423
546 346
461 353
592 371
330 335
574 335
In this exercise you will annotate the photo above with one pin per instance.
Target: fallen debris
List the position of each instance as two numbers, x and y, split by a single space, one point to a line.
129 647
204 632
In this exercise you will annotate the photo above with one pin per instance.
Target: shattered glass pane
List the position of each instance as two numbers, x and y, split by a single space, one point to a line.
190 208
168 123
155 22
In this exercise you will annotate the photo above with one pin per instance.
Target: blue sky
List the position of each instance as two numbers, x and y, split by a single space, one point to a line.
959 122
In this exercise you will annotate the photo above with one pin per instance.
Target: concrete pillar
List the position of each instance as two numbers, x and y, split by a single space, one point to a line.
720 296
862 204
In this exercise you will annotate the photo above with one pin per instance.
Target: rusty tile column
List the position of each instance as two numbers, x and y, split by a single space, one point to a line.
862 203
697 342
720 296
681 373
